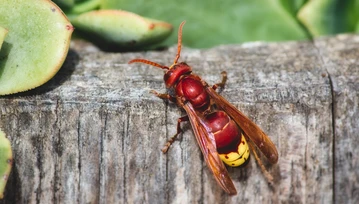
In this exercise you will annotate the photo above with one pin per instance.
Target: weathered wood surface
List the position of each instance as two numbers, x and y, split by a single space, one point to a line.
93 134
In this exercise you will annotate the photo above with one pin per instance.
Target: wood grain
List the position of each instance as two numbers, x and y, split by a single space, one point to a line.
93 134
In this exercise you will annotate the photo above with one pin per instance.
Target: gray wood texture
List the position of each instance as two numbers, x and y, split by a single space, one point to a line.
93 134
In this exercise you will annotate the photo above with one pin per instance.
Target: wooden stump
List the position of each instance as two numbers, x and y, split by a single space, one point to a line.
93 134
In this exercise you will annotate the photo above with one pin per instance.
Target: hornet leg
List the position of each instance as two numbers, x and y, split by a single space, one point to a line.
222 83
179 130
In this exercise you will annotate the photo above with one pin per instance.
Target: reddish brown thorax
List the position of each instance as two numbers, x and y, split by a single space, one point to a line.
193 91
172 75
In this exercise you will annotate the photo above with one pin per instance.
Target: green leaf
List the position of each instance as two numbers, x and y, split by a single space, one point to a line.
213 22
292 6
36 45
326 17
3 33
65 3
84 6
5 162
115 29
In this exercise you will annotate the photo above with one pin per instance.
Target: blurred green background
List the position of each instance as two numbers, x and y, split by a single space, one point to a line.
215 22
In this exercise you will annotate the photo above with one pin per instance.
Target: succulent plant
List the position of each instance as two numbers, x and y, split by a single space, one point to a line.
35 46
116 29
78 6
5 162
3 32
328 17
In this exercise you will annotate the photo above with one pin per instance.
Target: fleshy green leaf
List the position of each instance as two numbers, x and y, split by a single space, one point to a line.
292 6
5 162
65 3
116 29
84 6
326 17
36 45
3 33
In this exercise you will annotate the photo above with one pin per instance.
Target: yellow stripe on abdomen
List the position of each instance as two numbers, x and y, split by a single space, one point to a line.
239 157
